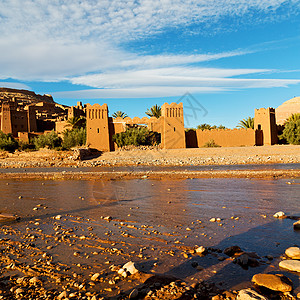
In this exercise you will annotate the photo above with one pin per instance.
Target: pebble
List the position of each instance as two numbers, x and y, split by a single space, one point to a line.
134 293
200 250
62 295
95 276
279 214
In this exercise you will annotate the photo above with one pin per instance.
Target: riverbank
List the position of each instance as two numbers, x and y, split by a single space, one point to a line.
156 157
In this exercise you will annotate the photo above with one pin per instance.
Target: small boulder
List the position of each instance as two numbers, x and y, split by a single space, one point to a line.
290 265
278 282
293 252
231 251
130 268
249 294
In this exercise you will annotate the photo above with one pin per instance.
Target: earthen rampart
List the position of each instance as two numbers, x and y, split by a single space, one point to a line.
222 137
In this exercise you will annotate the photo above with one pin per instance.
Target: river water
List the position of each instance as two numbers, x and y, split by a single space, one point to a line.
163 216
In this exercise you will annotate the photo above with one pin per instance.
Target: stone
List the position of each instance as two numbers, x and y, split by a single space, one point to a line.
249 294
95 276
279 214
19 291
231 251
200 250
34 280
293 252
58 217
278 282
81 153
297 225
62 295
243 260
130 268
134 293
290 265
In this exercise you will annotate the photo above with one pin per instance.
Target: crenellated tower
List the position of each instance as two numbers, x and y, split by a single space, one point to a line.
173 134
97 127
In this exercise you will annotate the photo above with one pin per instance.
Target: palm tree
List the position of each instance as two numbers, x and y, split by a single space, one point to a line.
246 123
76 122
293 118
119 114
154 111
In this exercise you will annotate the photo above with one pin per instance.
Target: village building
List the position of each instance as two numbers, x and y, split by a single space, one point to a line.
24 113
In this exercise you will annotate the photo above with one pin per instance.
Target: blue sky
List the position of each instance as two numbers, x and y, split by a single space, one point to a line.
229 56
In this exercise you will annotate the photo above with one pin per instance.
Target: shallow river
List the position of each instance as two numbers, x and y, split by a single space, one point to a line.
175 213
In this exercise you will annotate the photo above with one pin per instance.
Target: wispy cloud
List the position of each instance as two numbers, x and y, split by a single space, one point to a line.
81 41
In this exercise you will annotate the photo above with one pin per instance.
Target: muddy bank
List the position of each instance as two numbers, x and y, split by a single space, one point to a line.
181 174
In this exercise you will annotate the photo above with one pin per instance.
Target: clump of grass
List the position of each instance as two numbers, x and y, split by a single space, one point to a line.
211 144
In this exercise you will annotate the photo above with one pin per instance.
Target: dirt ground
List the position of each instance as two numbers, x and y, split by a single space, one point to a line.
156 157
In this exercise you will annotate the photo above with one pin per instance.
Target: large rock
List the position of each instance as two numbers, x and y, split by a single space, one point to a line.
249 294
278 282
81 153
291 265
293 252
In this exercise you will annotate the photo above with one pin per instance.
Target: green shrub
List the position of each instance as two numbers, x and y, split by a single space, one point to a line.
210 144
75 137
136 136
24 146
7 142
291 131
50 140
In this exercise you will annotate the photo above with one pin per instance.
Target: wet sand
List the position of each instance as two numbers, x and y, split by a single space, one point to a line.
70 230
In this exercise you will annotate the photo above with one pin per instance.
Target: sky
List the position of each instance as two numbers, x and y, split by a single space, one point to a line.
221 58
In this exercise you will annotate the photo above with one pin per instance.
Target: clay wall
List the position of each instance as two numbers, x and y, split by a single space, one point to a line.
222 137
60 126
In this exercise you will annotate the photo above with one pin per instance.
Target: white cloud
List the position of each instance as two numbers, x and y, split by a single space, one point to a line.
81 41
14 85
177 88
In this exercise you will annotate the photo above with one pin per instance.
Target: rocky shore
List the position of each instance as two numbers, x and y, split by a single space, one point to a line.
156 157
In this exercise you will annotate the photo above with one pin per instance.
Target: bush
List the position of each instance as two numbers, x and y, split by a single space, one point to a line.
7 142
24 146
50 140
210 144
136 136
291 131
75 137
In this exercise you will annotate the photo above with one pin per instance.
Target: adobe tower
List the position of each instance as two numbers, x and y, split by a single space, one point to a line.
173 134
97 127
264 119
